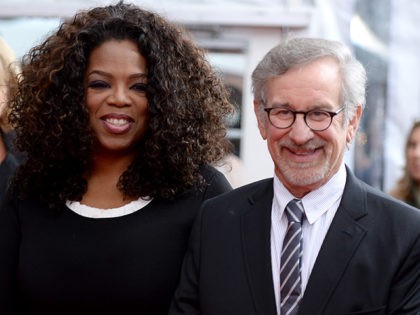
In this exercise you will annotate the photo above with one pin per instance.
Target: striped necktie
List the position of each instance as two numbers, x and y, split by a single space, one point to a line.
290 279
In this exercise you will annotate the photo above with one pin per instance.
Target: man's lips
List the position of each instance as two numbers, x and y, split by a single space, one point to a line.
302 155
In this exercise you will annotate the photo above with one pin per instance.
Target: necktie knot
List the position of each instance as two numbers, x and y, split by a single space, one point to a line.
294 211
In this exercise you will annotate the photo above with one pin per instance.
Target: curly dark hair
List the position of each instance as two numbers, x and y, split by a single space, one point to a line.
188 104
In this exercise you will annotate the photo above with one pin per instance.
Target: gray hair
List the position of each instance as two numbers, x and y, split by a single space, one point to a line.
295 52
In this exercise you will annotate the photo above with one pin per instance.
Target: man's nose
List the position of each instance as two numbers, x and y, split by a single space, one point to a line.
300 133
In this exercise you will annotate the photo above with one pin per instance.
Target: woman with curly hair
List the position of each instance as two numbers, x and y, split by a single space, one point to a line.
120 116
407 188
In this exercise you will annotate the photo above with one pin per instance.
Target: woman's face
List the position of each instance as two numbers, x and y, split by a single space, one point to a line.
116 81
413 155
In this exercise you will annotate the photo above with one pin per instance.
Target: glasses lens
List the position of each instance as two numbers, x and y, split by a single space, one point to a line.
318 120
281 118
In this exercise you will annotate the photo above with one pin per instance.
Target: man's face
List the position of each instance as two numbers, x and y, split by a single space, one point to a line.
305 159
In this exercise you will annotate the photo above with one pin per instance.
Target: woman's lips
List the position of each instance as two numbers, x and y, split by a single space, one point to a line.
117 123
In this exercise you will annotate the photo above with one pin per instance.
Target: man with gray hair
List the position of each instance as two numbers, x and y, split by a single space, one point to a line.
314 239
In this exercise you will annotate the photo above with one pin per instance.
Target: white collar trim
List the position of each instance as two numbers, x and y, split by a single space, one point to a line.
97 213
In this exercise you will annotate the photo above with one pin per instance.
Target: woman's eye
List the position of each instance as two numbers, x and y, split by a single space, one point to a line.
98 85
141 87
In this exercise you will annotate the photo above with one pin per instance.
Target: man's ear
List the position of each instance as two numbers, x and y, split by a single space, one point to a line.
261 121
354 124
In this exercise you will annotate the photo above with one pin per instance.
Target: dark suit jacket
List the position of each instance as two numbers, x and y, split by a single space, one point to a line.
369 262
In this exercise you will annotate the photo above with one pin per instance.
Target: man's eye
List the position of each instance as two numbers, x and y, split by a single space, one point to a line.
318 115
282 113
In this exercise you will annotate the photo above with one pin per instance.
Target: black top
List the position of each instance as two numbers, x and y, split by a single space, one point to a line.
64 263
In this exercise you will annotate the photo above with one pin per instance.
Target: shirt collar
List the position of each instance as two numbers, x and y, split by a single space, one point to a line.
318 201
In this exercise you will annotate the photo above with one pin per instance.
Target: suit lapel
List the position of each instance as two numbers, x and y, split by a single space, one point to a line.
341 241
255 235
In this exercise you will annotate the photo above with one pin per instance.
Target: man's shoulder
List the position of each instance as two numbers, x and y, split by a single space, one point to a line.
229 207
254 195
381 208
377 196
258 189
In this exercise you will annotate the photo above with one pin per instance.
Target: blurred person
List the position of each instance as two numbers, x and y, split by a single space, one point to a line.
8 75
120 116
407 188
314 239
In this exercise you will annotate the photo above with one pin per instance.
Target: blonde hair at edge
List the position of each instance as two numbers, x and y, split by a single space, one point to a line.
9 69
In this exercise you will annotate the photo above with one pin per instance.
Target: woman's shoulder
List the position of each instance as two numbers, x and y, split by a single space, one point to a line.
214 178
213 183
209 172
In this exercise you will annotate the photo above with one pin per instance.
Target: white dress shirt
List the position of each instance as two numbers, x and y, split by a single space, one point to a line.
320 207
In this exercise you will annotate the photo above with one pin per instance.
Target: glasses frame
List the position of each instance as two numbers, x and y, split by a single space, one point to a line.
295 112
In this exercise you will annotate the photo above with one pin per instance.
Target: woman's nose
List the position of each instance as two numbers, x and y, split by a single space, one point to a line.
120 96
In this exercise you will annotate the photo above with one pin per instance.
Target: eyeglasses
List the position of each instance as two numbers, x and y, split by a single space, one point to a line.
316 120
